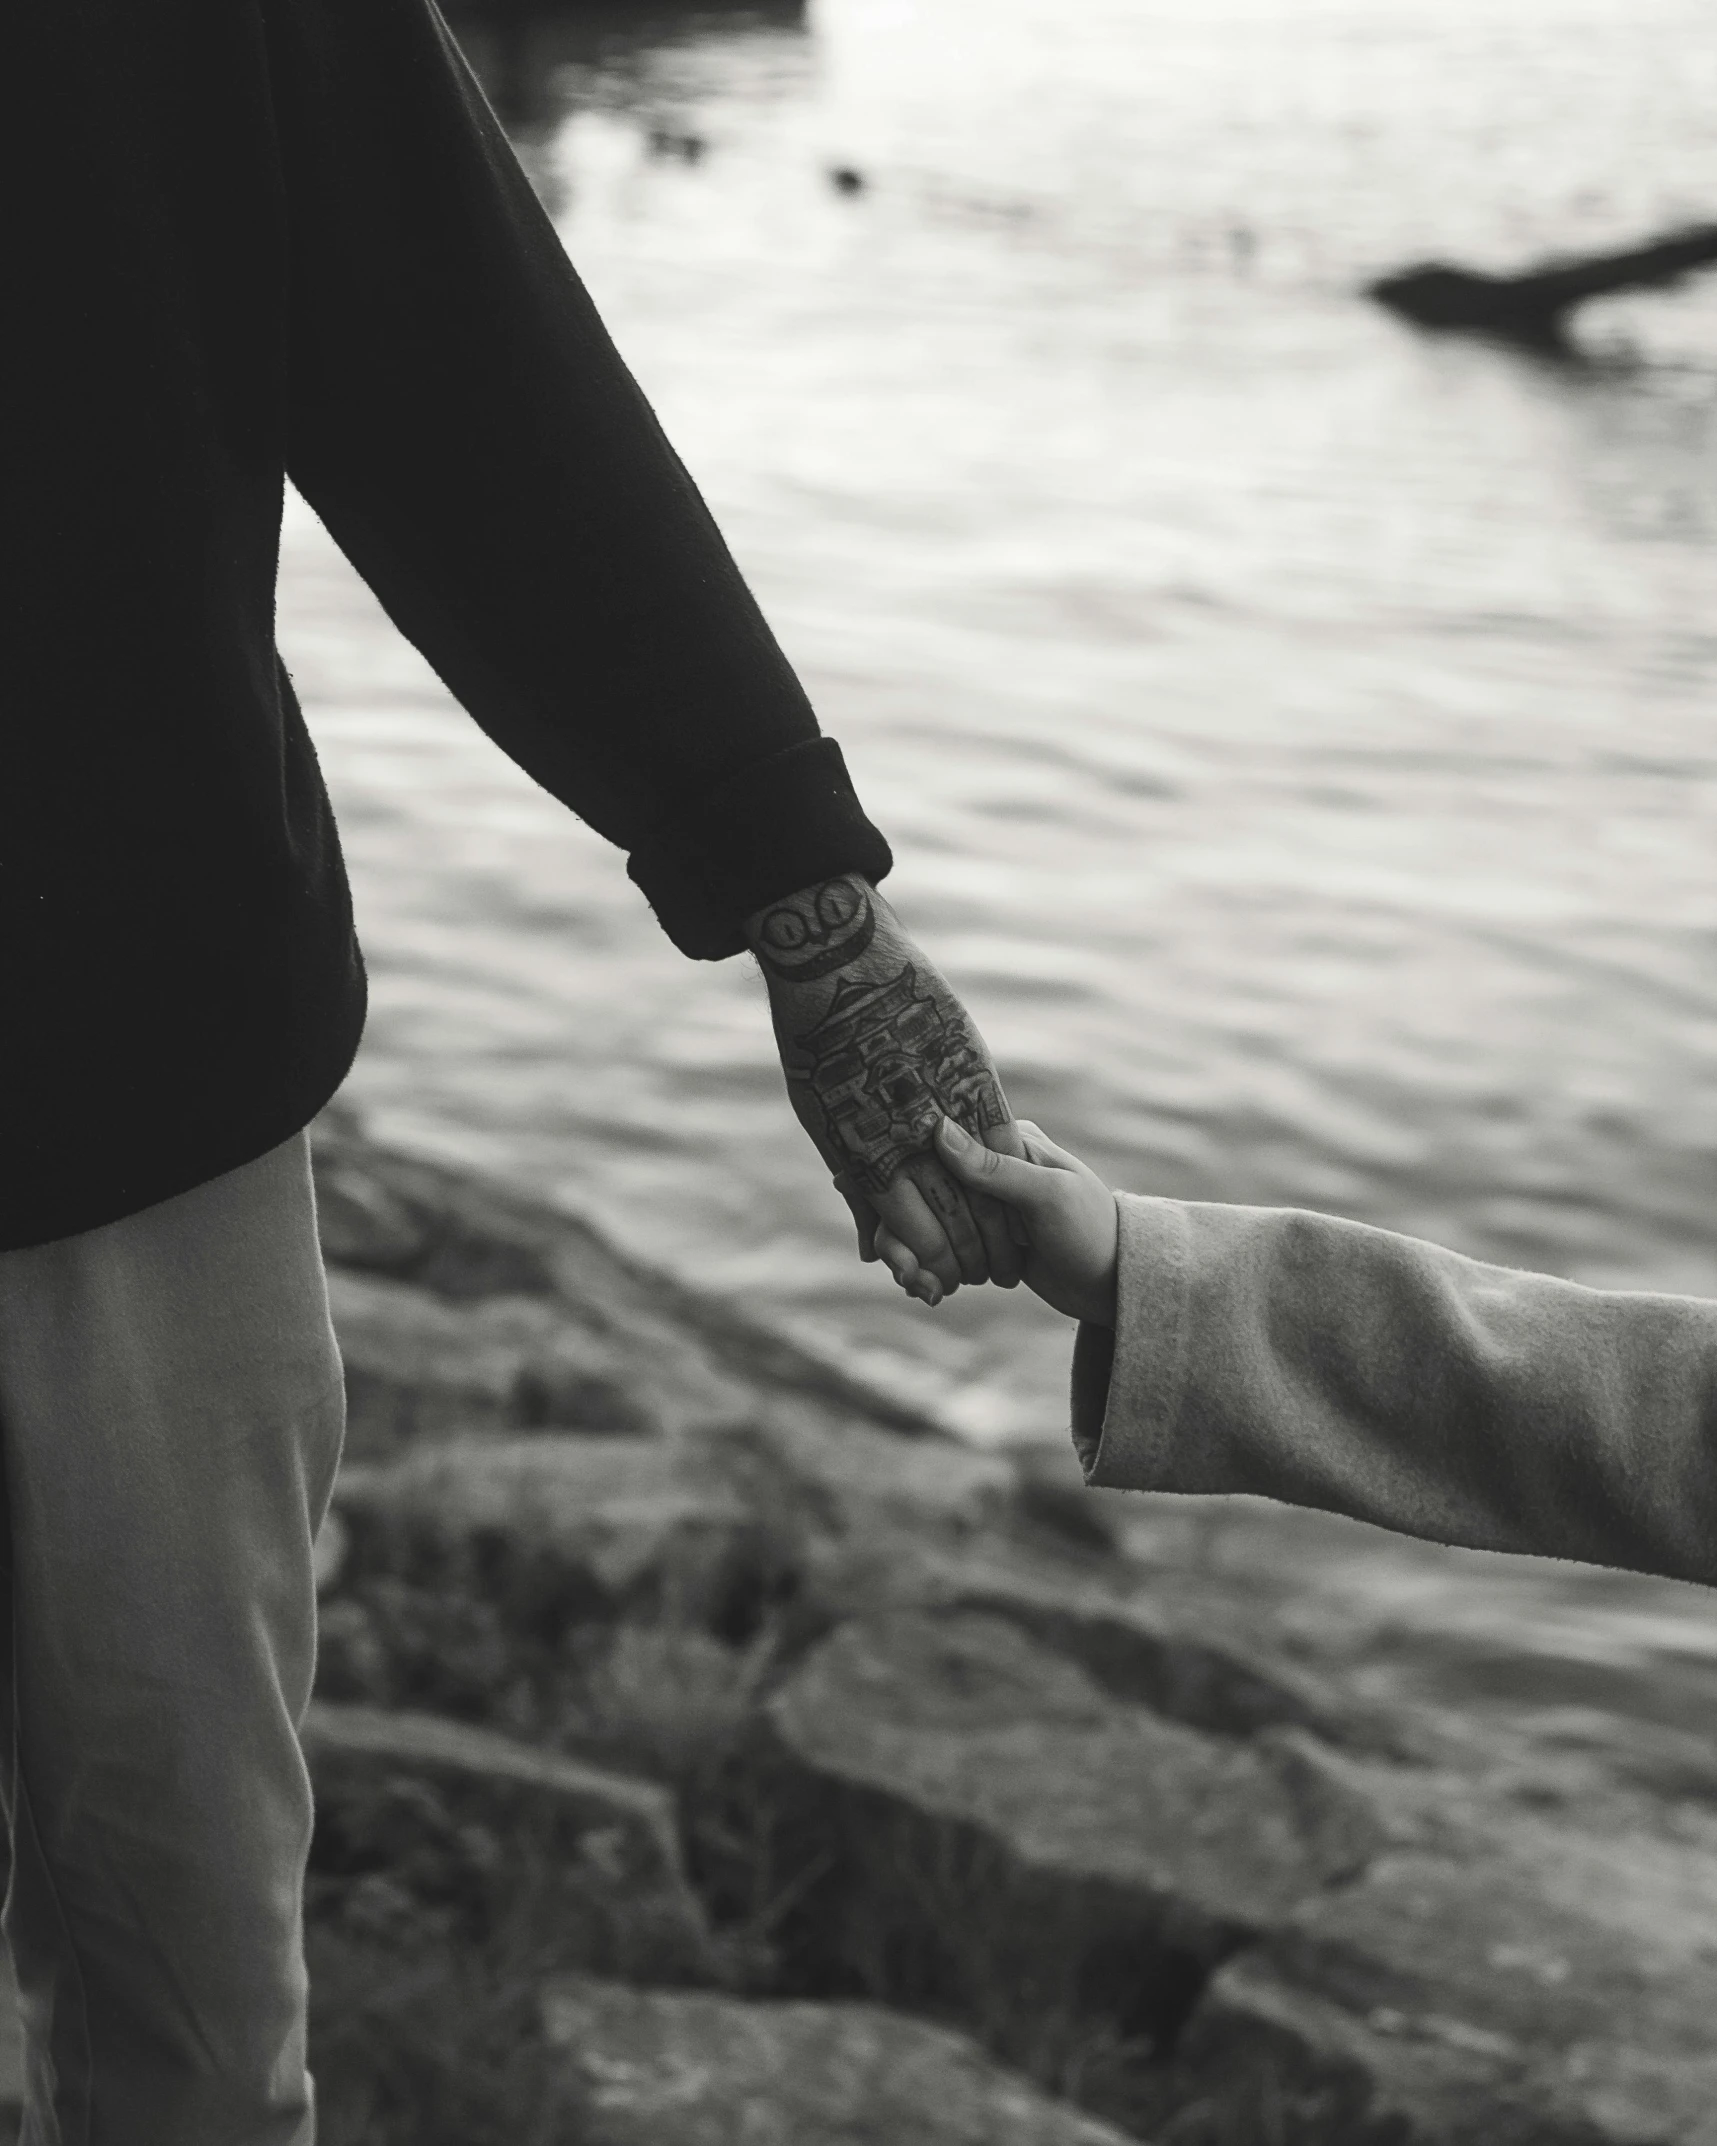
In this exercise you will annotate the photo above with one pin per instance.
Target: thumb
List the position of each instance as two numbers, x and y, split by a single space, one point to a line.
1005 1177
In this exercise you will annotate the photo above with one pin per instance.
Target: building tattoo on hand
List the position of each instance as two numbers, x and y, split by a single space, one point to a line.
885 1063
888 1054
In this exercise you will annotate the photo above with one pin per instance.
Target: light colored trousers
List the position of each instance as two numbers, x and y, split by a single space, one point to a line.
170 1423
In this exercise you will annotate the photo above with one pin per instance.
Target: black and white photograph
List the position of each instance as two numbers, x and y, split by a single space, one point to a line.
858 1073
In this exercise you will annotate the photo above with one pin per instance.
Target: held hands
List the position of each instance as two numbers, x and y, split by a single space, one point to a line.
1067 1213
888 1074
878 1052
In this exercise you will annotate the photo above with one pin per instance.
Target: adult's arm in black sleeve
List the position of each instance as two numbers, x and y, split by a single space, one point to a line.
463 424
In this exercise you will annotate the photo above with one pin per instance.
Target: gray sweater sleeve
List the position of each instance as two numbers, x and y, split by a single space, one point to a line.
1325 1363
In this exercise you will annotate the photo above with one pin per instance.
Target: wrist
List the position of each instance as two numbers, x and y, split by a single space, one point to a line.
811 935
1099 1258
1106 1292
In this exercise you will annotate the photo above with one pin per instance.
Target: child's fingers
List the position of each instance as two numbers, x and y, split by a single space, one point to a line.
902 1262
1007 1139
1020 1184
1044 1152
1001 1228
909 1219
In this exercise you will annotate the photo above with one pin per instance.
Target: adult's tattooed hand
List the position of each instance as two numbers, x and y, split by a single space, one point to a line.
876 1048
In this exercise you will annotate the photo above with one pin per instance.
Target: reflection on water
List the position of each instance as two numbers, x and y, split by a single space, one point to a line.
1296 734
540 65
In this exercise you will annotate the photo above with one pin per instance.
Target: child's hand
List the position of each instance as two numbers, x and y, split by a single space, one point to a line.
1067 1210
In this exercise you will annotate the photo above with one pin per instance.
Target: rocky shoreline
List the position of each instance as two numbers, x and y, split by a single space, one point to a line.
709 1752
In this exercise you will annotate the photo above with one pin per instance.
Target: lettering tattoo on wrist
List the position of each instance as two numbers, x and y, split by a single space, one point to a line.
881 1055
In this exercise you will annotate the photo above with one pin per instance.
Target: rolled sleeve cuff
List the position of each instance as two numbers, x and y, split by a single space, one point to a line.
1128 1384
780 824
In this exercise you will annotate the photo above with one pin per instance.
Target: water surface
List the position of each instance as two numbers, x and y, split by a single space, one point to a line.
1296 734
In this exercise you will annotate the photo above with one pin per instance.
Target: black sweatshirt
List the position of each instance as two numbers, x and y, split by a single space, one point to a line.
248 237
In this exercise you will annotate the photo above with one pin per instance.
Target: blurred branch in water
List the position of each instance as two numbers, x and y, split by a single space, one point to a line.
537 62
631 15
523 51
1533 308
626 22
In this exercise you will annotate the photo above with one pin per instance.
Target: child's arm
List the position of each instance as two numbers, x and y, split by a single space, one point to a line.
1326 1363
